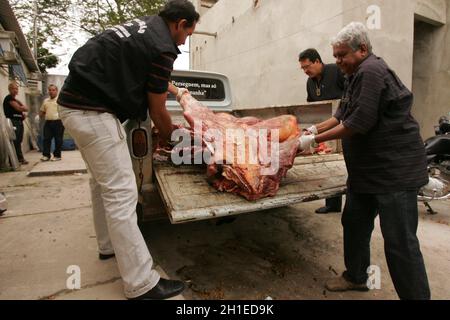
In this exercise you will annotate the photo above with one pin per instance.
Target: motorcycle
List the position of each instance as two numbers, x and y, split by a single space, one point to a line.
438 156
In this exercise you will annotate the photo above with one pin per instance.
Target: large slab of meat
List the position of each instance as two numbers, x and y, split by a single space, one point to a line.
247 156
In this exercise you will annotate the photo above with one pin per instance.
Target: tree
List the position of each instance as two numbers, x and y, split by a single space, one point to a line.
47 18
98 15
58 20
46 59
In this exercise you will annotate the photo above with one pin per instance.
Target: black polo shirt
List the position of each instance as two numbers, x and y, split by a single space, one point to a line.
10 112
329 87
114 71
386 153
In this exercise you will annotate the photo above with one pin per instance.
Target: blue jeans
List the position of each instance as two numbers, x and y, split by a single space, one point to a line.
398 219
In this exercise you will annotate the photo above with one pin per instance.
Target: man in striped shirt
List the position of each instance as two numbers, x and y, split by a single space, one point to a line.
386 164
123 73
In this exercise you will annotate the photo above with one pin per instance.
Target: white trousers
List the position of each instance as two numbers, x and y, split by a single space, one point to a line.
102 142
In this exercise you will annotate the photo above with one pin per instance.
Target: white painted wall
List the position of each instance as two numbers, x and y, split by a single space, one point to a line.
431 85
258 47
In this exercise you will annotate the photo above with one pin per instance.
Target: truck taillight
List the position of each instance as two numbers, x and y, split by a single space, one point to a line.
139 141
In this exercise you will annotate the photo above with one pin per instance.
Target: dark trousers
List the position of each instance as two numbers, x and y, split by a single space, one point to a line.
334 203
53 129
18 124
398 219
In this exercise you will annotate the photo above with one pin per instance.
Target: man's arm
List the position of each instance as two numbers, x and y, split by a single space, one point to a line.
158 84
18 106
42 111
160 116
338 132
327 125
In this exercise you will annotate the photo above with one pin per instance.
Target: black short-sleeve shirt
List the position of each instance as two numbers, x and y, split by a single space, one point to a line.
10 112
330 86
386 153
115 70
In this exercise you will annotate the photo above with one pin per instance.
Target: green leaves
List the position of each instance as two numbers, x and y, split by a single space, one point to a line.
58 20
99 15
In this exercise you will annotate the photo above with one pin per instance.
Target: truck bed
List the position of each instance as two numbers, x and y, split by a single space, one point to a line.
187 196
183 193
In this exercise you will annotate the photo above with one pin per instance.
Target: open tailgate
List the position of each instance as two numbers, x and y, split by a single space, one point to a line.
188 196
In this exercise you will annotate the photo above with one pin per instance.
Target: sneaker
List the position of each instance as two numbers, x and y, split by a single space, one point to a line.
341 285
45 159
56 159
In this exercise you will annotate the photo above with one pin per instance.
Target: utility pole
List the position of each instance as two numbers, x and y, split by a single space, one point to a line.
35 31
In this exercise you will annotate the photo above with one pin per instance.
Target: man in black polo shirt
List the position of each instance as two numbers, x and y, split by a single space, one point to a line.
386 164
325 82
14 110
124 73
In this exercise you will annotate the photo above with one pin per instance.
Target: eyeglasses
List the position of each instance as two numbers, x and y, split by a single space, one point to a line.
306 67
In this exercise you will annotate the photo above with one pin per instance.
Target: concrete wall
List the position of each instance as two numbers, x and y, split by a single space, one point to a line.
258 46
431 85
432 11
57 80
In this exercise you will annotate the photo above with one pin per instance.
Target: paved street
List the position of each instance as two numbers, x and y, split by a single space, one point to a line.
286 253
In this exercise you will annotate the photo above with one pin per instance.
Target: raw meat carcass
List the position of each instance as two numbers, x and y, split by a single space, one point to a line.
247 156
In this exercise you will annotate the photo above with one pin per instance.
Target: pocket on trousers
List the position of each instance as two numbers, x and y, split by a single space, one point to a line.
115 128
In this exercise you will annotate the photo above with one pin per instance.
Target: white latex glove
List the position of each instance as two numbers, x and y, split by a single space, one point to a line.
313 130
307 142
181 92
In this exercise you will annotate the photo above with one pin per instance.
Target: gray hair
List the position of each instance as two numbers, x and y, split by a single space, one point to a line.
354 35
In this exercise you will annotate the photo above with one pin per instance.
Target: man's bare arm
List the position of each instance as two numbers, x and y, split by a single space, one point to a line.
18 106
338 132
160 116
327 125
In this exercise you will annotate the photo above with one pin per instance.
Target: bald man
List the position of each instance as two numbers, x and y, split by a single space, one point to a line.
14 110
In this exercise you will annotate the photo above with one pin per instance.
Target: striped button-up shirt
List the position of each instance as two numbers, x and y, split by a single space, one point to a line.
386 153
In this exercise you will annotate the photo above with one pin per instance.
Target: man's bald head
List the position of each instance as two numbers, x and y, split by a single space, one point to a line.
13 89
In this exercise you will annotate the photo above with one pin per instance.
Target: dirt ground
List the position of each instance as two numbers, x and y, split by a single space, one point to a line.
284 254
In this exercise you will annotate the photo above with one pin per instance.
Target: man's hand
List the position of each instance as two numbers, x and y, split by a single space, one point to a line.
177 92
307 142
181 92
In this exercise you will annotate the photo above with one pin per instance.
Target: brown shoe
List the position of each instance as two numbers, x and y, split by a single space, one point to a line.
341 285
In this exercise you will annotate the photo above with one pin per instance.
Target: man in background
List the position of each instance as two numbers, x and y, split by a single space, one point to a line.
325 82
15 110
53 128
